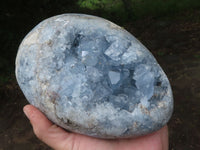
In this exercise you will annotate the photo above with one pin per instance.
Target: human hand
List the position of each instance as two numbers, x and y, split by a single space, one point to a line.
59 139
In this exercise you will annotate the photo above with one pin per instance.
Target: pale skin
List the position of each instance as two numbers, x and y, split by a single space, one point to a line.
59 139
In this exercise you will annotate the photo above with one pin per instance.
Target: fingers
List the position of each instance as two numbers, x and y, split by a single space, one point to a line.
157 140
46 131
164 137
160 138
154 141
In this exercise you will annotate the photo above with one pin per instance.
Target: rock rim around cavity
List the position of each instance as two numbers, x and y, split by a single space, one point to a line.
90 76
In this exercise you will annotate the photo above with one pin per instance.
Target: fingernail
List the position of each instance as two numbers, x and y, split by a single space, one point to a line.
26 112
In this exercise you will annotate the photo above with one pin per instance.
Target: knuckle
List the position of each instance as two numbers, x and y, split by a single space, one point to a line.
38 133
70 144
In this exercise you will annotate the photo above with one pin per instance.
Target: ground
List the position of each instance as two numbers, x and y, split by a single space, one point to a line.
174 41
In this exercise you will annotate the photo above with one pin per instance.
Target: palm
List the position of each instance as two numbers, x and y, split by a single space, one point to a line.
150 142
59 139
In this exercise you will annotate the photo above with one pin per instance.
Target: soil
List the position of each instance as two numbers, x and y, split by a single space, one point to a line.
175 43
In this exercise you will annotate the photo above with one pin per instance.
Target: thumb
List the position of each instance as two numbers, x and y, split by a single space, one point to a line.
46 131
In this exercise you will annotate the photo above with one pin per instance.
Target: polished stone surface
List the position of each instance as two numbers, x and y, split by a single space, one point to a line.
91 76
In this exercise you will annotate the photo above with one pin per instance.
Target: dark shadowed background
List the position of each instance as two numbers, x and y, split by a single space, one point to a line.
170 29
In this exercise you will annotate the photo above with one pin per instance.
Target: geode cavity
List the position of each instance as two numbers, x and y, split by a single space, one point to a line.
91 76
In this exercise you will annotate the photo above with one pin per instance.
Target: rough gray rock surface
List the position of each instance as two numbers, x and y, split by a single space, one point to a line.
90 76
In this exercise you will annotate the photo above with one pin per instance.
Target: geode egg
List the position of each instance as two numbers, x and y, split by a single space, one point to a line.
92 77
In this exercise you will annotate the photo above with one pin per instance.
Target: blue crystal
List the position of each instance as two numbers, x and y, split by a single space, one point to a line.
91 76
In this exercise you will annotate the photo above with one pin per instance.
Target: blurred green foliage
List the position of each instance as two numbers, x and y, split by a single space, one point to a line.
134 9
110 9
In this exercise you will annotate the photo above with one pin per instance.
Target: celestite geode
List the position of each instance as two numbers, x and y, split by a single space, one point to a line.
91 76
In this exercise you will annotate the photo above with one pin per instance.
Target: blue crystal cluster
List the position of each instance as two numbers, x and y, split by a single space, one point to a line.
90 76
